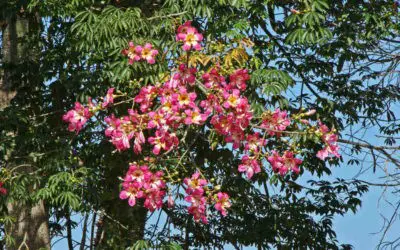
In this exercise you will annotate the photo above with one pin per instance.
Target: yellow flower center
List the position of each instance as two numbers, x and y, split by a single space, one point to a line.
191 39
146 52
195 116
232 100
184 99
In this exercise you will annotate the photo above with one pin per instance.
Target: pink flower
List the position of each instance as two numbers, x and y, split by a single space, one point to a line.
211 103
183 28
250 166
185 75
232 99
190 37
140 182
238 79
184 99
276 161
284 164
147 53
196 197
222 123
163 140
330 141
137 53
235 136
77 117
119 137
195 117
131 192
254 142
195 183
131 53
154 200
145 97
290 163
121 140
157 119
243 113
158 141
198 204
136 173
199 213
173 83
222 203
109 98
275 122
213 79
113 125
331 147
154 181
170 201
138 142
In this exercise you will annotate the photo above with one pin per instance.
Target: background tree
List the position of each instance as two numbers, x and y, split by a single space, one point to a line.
19 64
306 54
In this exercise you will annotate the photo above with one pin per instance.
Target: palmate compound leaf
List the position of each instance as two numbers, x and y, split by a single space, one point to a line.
171 246
140 245
273 81
68 199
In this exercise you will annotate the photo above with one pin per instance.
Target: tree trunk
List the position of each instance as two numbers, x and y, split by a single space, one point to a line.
128 221
31 229
10 57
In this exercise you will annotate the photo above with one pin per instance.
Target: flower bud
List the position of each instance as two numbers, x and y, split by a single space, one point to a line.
310 112
306 122
170 201
294 11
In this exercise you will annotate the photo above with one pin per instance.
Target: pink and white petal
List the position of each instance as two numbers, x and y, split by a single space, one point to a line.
132 201
123 195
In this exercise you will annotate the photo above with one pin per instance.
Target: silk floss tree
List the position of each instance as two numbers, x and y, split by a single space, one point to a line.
195 96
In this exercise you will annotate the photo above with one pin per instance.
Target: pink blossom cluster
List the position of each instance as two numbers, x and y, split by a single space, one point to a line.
238 79
253 148
285 163
175 106
222 203
232 116
185 75
250 166
275 122
330 140
197 197
232 112
77 117
140 182
138 53
109 99
190 37
118 132
159 111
